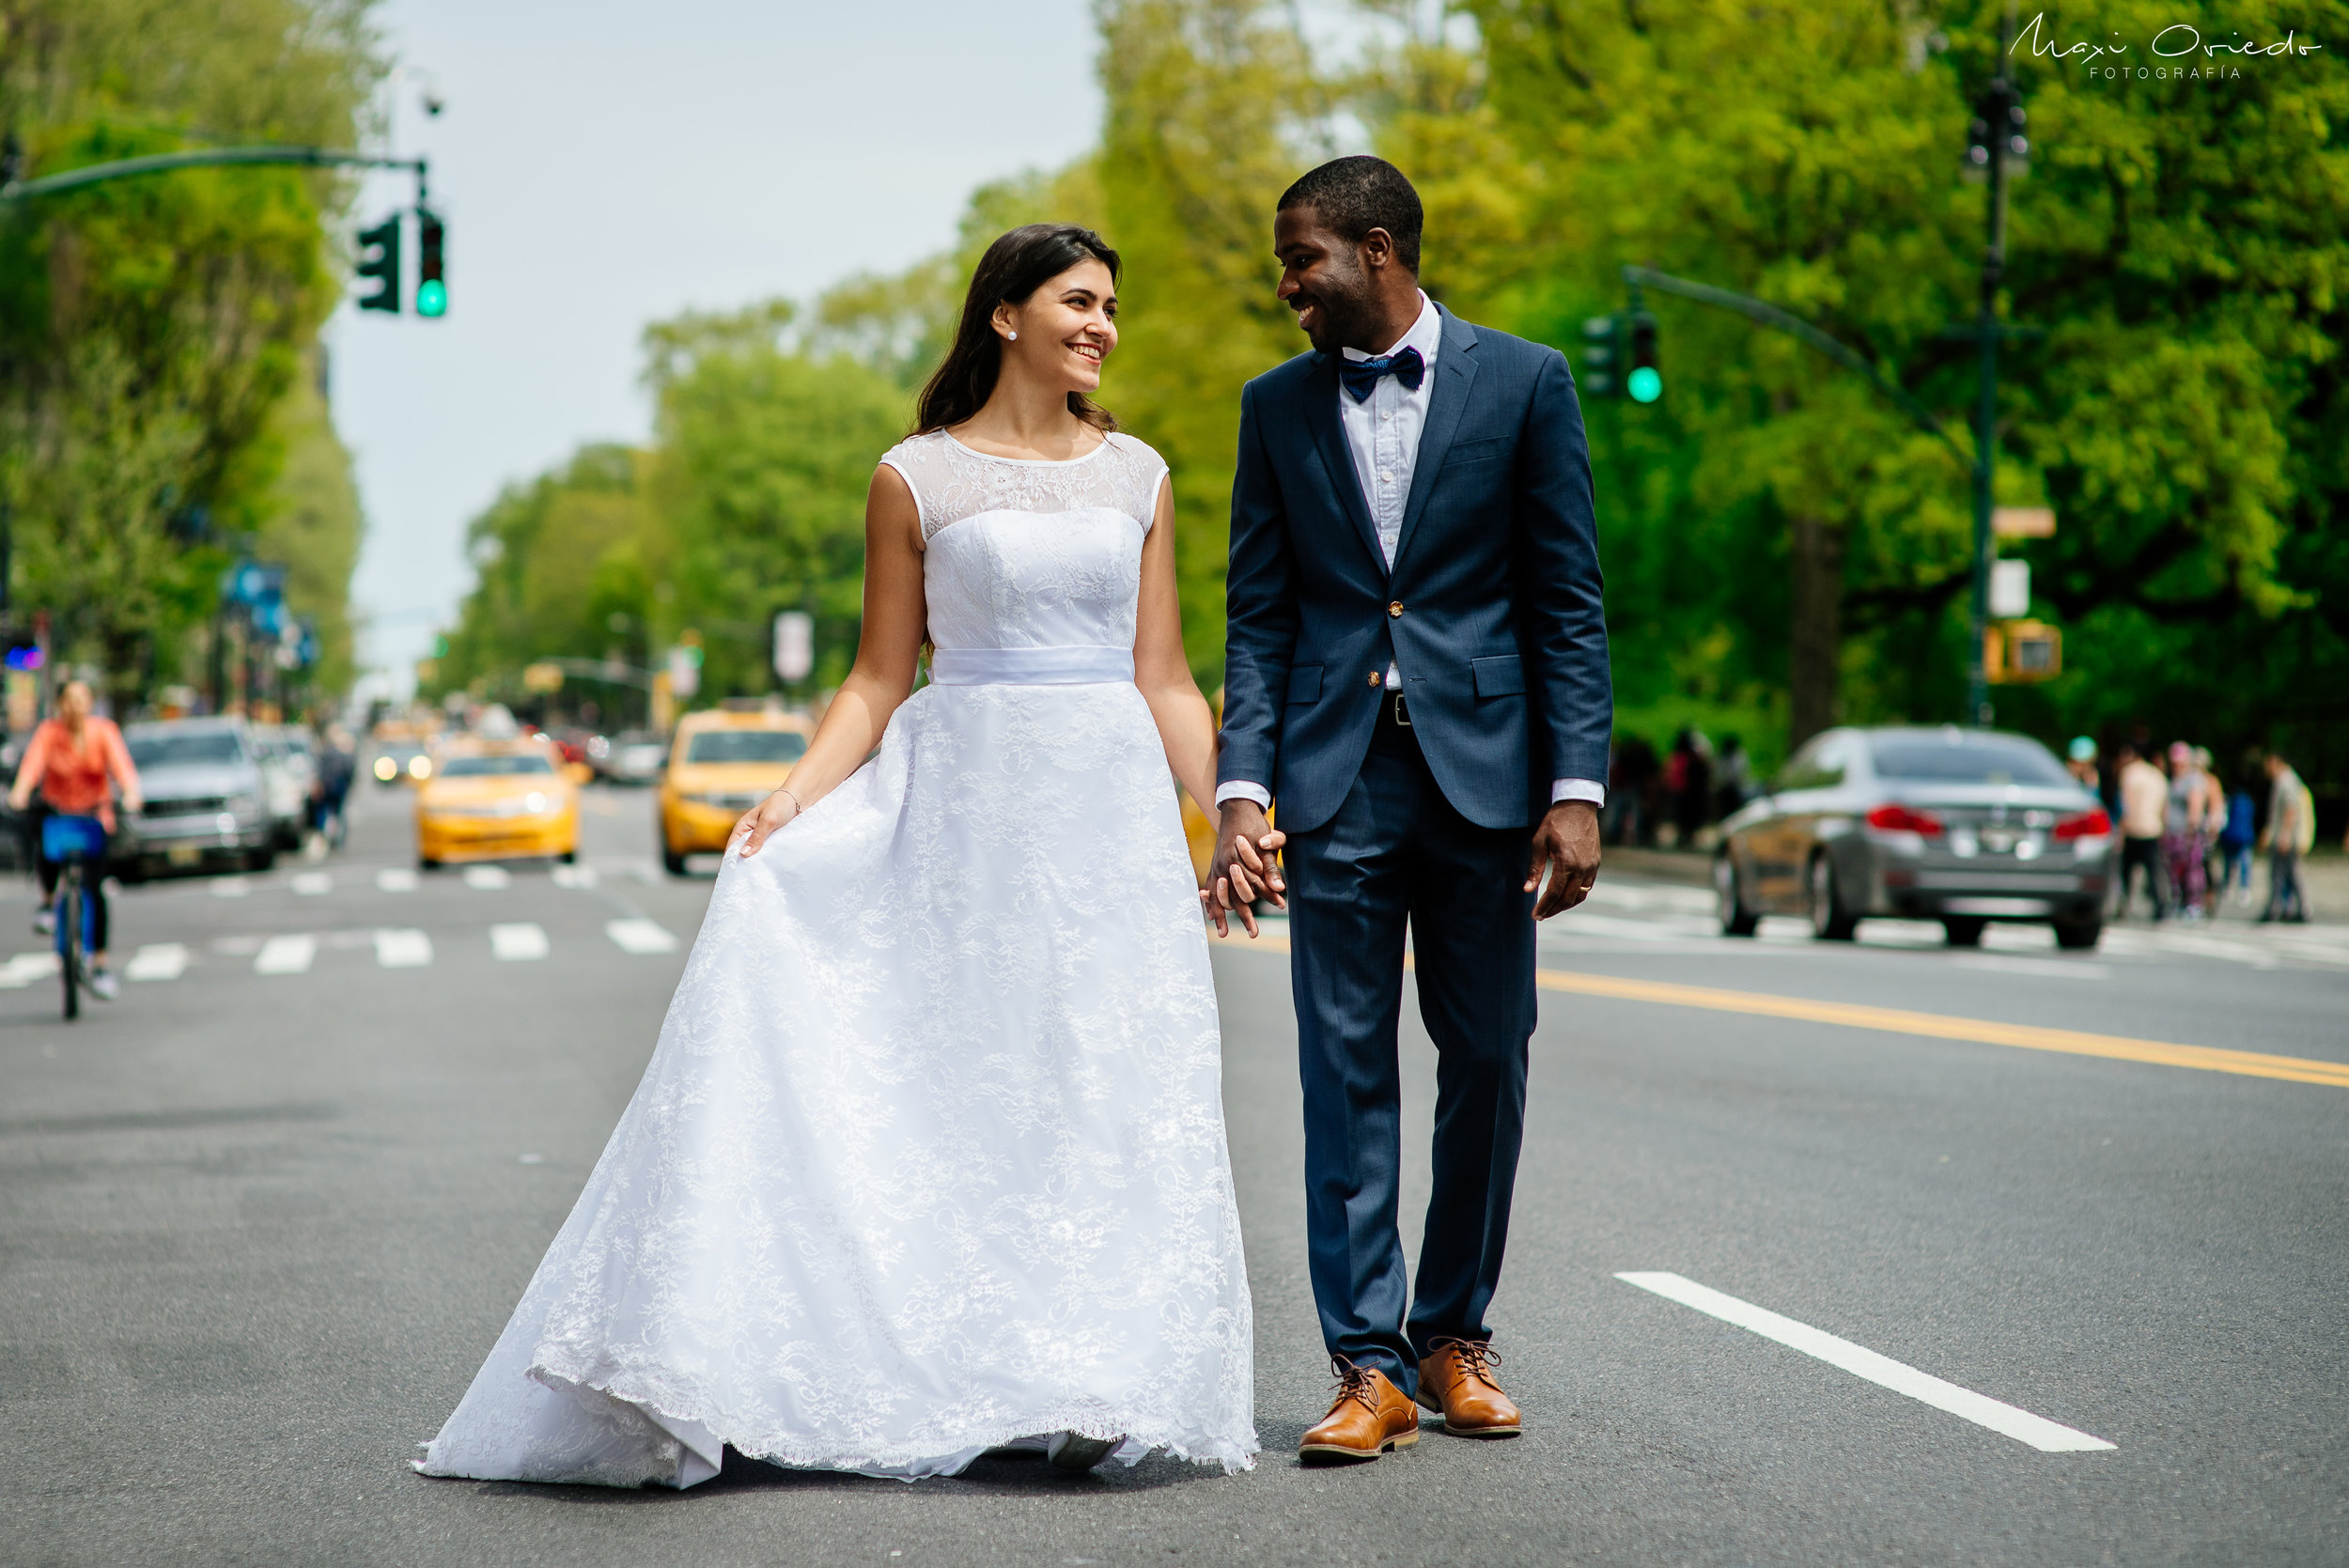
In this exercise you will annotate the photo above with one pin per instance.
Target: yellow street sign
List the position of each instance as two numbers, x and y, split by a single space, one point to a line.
2023 522
544 677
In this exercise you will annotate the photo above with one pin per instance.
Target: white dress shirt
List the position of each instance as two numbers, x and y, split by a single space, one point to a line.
1382 434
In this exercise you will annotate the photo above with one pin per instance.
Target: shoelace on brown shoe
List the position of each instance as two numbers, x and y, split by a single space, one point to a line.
1353 1383
1477 1358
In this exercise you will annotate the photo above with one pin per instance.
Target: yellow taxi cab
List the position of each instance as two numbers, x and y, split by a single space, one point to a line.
496 801
721 764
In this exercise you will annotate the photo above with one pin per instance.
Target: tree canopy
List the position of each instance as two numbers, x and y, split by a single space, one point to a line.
1785 548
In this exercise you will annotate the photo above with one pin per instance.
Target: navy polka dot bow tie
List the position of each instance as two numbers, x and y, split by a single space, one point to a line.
1360 375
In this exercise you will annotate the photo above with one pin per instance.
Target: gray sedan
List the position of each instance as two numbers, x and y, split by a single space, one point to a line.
1960 825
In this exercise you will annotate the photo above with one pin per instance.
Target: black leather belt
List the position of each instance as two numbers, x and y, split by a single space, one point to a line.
1392 712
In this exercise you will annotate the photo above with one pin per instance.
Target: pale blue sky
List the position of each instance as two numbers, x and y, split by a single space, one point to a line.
601 165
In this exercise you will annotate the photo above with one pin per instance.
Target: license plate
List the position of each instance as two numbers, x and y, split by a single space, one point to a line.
185 854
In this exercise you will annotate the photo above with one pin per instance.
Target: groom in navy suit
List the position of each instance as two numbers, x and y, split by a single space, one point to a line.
1416 670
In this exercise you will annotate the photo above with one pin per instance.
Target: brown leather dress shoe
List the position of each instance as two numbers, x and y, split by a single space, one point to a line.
1456 1378
1369 1417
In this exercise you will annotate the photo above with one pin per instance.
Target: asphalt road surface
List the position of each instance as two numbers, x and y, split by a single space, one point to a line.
260 1220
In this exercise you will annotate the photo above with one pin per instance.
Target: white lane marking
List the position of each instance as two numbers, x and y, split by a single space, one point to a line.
2040 1433
312 883
486 878
640 936
2050 969
285 955
157 961
25 967
574 875
396 880
402 949
520 941
230 887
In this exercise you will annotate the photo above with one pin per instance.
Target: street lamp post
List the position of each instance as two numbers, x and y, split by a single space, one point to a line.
1996 139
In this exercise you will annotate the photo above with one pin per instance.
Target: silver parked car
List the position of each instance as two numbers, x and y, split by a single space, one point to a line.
206 802
1960 825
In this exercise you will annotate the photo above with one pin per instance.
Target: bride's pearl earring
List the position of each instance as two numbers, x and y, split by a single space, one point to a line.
1014 336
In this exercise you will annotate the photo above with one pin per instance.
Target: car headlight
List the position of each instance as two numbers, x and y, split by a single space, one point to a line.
386 769
420 767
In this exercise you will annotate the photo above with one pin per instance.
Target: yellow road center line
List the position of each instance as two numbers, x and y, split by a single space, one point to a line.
1898 1021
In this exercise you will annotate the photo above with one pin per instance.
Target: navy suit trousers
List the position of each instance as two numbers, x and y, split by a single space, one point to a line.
1397 852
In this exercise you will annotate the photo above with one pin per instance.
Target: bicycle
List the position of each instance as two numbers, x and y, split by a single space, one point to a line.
71 841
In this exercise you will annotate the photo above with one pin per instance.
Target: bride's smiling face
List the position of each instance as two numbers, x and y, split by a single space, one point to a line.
1066 329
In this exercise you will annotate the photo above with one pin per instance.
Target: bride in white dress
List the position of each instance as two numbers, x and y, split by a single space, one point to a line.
930 1158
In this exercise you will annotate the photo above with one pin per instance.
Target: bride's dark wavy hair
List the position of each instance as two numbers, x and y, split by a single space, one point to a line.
1014 266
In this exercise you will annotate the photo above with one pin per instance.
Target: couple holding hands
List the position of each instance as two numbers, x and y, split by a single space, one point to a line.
930 1159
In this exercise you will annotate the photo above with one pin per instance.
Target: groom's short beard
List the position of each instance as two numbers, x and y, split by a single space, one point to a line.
1347 319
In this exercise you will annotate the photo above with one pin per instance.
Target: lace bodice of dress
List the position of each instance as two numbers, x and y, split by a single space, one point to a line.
1031 554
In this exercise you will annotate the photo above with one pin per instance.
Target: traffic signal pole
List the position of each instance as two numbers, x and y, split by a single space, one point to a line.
202 158
1996 135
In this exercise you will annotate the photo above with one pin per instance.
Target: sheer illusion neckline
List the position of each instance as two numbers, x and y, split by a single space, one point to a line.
1031 462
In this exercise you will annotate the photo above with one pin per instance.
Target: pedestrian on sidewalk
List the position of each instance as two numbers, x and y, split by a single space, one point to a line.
2144 796
2081 762
2290 833
2188 821
2236 842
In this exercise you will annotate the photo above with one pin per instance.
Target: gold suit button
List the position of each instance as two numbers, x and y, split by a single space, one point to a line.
1394 610
1373 677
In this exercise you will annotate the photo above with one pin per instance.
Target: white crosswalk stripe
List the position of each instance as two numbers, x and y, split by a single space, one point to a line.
158 961
25 967
285 955
574 875
230 887
520 941
641 935
488 878
310 884
396 880
402 949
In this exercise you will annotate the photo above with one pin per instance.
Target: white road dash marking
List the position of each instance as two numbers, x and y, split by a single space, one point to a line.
2040 1433
402 949
230 887
574 875
520 941
396 879
285 955
312 883
640 936
2048 969
157 961
486 878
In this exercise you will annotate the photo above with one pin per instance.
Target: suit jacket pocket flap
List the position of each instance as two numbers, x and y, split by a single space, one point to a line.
1501 677
1305 683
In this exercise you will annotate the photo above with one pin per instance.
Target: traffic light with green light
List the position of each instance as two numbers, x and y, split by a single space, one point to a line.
1644 381
1602 357
431 264
378 260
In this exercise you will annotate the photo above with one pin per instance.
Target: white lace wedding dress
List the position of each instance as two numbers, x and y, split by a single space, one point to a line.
930 1155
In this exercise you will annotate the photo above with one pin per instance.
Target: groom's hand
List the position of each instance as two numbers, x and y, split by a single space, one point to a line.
1244 868
1565 845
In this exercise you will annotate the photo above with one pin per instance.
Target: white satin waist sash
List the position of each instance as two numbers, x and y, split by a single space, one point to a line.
1062 666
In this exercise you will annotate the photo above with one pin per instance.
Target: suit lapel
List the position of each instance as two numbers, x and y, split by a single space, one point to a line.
1321 415
1455 373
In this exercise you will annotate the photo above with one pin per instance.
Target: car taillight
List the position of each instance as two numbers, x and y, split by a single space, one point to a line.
2088 824
1894 818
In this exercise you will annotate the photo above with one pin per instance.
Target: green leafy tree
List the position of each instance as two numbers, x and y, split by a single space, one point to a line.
151 329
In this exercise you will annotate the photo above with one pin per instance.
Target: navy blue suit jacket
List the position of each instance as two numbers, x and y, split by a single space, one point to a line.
1491 613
